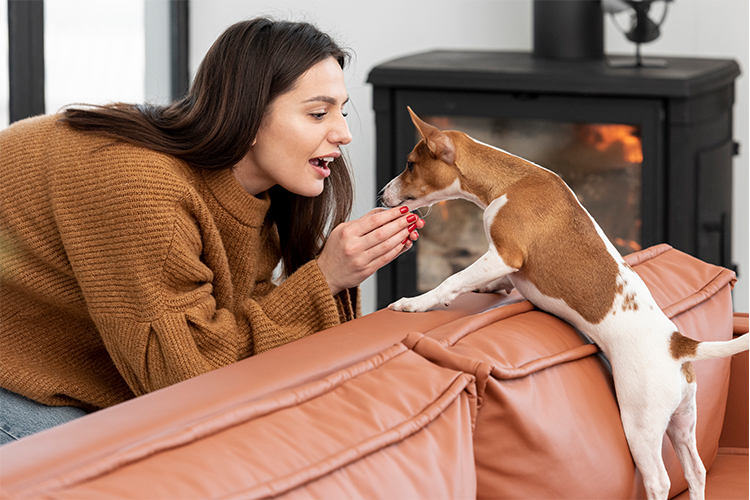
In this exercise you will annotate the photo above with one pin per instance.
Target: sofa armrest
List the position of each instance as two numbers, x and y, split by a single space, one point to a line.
741 323
735 431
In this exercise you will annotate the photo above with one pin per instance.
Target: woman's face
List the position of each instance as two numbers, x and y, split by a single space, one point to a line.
300 136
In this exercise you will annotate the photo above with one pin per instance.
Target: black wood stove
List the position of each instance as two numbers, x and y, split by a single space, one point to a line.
648 151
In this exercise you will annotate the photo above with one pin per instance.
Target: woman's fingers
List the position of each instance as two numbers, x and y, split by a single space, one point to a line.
356 249
378 218
382 227
385 251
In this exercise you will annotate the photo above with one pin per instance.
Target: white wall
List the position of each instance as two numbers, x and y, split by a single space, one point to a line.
379 30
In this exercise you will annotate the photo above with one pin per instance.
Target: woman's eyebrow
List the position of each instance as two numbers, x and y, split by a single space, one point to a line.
327 99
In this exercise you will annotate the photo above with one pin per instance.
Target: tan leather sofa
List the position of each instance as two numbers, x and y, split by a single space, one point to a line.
489 398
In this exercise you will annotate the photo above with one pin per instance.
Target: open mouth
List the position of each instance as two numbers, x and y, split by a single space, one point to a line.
321 165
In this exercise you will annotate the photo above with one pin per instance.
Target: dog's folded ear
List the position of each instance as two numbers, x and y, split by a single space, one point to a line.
439 144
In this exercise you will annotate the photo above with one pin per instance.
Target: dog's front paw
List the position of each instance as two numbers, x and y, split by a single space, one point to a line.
413 304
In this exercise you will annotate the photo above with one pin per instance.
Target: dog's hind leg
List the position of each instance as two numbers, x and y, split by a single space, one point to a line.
645 438
647 397
681 431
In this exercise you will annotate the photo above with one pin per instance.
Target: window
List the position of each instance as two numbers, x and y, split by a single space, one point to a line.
94 52
59 52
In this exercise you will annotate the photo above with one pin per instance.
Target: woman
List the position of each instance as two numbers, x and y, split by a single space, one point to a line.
139 242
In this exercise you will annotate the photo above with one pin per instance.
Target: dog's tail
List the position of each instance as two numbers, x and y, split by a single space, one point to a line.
686 349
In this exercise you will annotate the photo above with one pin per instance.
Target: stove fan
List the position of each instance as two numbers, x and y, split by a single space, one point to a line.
642 29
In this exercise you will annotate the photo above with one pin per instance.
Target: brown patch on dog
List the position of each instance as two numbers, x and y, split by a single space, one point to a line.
486 172
629 303
681 346
481 170
688 372
544 228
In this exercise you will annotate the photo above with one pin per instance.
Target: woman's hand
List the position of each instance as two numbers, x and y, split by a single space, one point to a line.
358 248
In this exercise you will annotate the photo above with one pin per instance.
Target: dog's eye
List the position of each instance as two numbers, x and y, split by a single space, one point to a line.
409 166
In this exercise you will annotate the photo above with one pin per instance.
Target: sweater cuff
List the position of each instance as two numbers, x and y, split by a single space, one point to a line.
348 304
300 306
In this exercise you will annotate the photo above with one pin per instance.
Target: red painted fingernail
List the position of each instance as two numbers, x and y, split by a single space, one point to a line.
403 210
404 242
411 228
411 218
416 235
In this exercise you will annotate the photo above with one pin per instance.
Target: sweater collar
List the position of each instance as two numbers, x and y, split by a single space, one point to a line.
247 209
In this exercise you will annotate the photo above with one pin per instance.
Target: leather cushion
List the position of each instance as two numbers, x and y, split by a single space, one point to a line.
394 416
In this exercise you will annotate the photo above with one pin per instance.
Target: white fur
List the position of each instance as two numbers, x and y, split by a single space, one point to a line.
653 393
487 273
452 192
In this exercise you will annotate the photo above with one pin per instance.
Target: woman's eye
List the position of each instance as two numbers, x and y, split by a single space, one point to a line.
319 116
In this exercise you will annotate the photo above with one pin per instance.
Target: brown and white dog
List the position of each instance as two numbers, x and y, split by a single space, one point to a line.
547 246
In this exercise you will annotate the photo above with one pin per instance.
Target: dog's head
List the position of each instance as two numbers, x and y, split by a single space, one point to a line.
431 174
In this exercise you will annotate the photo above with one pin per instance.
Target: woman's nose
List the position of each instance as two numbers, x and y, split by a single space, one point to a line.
340 133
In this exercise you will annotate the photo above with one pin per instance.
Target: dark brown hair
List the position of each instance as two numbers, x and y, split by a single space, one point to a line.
214 125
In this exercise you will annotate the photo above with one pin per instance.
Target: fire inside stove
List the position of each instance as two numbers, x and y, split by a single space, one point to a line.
600 162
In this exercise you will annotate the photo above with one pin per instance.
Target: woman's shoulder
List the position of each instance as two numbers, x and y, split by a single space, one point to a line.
113 163
88 169
61 146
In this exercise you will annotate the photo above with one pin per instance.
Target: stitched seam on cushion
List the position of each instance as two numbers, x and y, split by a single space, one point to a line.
718 282
467 326
359 450
219 422
637 258
541 364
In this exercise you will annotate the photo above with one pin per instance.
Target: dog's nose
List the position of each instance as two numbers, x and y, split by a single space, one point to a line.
390 199
393 198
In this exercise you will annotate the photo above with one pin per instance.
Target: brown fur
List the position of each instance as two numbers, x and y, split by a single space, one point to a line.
557 221
414 184
681 346
486 181
688 372
629 303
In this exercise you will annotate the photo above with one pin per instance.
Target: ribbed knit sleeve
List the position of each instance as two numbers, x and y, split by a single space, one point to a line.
299 306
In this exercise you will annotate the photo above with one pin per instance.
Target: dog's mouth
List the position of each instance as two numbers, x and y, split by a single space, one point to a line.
321 165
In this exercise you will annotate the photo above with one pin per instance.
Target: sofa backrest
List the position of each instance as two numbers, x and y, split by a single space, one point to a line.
489 397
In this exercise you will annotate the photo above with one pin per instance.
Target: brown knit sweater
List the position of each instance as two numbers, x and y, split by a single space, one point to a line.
124 270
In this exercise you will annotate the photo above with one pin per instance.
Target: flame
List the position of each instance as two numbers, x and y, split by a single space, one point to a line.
625 137
632 245
443 209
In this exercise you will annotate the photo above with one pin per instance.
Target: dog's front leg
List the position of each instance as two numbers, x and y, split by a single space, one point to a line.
499 285
486 271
